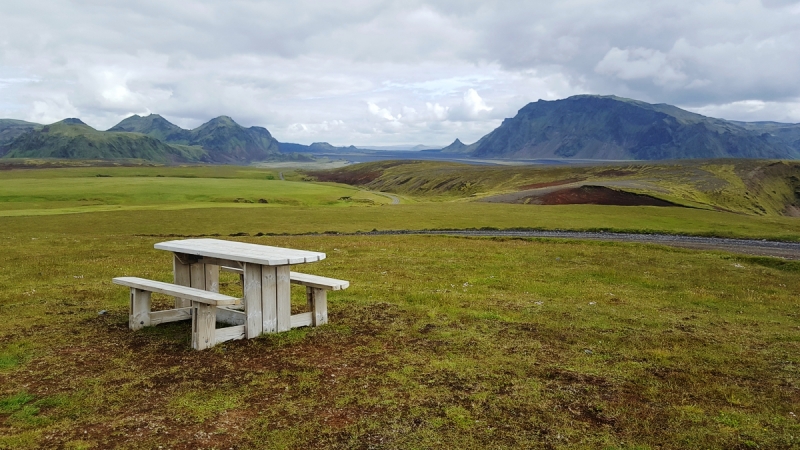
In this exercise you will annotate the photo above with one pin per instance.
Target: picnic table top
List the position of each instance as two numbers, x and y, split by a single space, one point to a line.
241 251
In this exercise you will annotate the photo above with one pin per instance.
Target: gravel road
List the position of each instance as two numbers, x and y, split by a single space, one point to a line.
787 250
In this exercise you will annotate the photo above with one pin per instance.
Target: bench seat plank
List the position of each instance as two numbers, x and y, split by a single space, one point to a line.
198 295
318 282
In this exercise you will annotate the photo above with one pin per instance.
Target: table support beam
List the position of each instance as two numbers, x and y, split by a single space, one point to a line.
283 295
183 277
269 296
252 300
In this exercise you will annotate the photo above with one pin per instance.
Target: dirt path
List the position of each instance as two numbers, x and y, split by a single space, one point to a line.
787 250
395 199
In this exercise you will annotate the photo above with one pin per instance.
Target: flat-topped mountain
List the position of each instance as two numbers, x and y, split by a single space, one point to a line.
610 127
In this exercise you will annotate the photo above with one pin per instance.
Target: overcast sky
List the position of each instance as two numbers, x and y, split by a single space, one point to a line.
390 72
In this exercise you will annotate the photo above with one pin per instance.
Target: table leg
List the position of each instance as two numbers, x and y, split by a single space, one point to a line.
183 277
252 300
283 295
211 277
269 302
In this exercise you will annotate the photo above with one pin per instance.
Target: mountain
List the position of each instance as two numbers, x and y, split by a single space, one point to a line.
456 147
222 139
154 126
71 138
11 129
610 127
316 147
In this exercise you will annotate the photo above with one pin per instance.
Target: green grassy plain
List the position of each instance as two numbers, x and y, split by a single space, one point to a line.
439 341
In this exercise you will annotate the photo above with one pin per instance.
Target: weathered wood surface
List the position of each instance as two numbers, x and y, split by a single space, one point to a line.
252 299
241 251
269 299
301 320
318 281
320 306
197 295
140 309
231 316
283 297
204 322
229 333
182 274
170 315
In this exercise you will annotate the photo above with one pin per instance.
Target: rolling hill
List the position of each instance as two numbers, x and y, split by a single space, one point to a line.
615 128
73 139
744 186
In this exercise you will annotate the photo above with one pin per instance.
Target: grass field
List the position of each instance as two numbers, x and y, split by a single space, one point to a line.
439 342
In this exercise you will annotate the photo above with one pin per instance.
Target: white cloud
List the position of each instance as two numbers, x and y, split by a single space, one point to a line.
428 70
383 113
641 63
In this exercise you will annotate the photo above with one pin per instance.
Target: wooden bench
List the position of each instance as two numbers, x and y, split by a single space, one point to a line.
317 288
203 310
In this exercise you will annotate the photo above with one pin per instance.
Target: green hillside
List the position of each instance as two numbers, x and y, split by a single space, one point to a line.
222 139
11 129
71 138
610 127
758 187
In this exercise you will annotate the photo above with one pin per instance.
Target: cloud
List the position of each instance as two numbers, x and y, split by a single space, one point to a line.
427 70
641 63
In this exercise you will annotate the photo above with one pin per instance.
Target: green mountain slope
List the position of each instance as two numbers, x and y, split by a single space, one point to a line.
11 129
71 138
609 127
221 139
155 126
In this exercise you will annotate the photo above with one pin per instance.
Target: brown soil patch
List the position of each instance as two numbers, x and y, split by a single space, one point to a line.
551 183
596 195
793 211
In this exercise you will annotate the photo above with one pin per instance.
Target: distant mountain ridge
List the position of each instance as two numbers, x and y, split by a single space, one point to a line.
153 138
578 127
615 128
224 140
71 138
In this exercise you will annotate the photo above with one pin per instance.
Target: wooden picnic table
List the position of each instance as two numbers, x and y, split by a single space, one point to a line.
266 277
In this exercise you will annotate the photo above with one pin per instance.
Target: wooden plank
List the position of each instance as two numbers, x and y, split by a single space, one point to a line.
229 333
230 316
252 300
198 275
182 276
140 309
241 251
318 281
219 262
193 294
283 298
170 315
320 308
212 277
269 296
204 322
302 320
231 269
